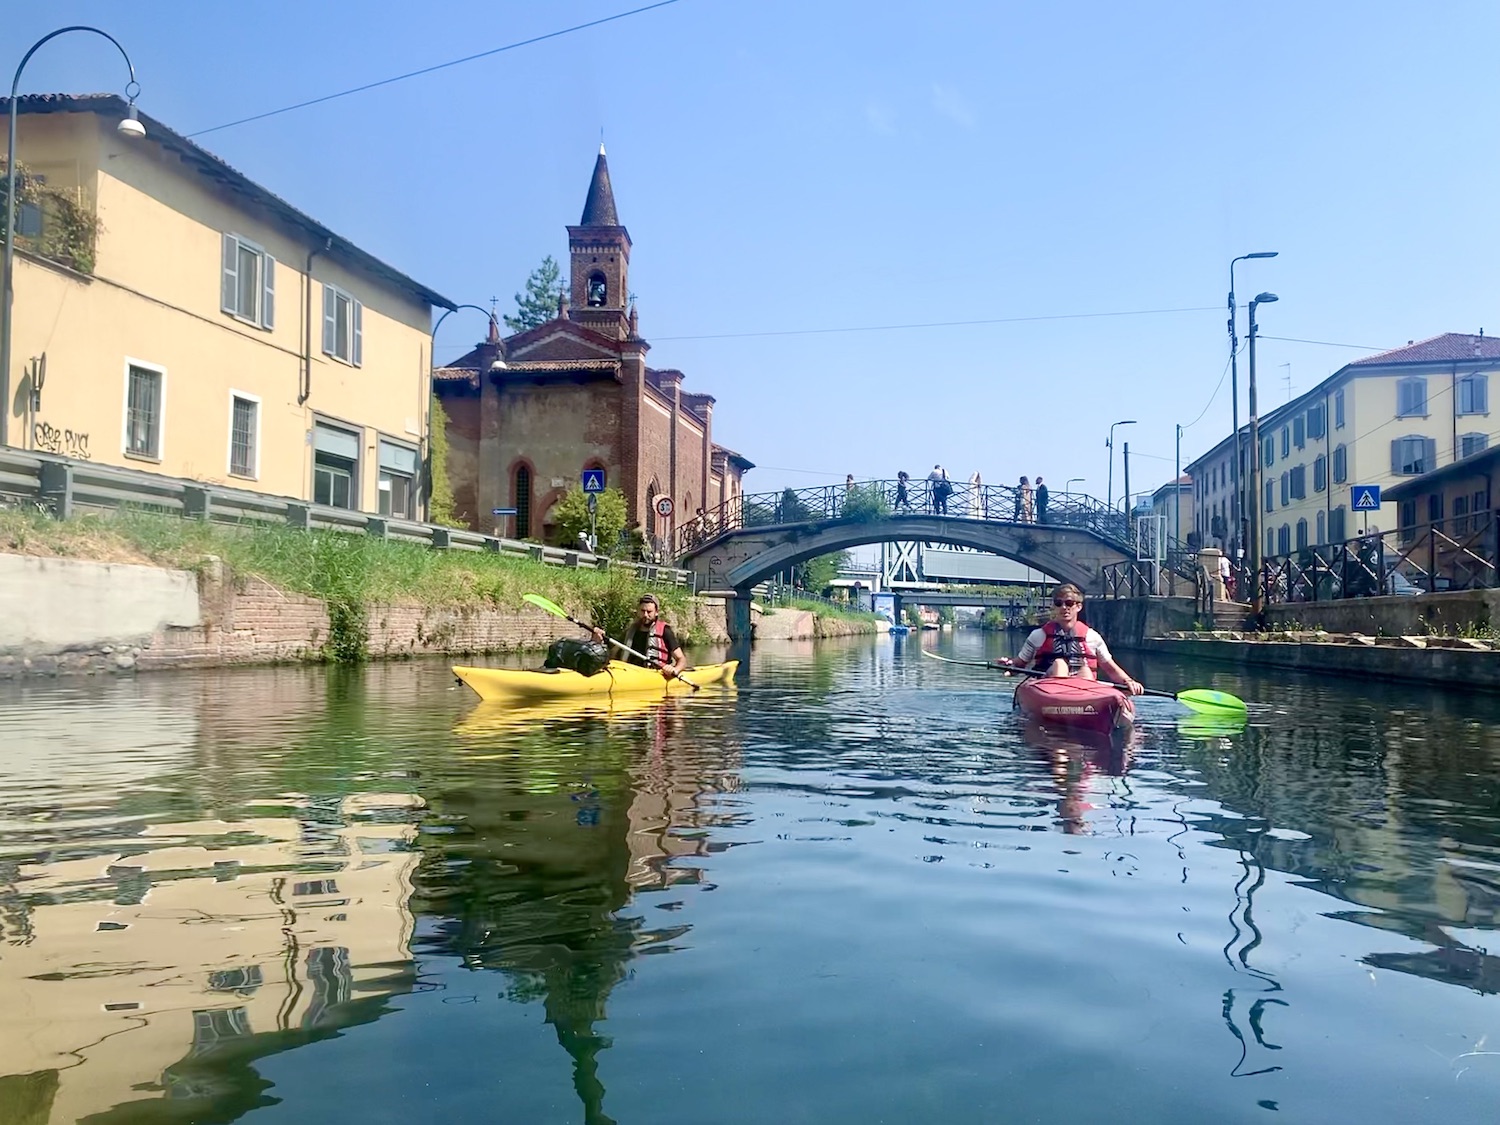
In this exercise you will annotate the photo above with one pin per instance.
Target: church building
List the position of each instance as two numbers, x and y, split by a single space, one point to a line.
528 413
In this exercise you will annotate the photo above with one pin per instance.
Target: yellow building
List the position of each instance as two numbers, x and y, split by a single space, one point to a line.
1380 420
172 315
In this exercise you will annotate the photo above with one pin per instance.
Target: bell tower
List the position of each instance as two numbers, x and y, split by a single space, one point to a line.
599 252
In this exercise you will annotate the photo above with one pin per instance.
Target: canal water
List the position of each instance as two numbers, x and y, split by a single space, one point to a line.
855 888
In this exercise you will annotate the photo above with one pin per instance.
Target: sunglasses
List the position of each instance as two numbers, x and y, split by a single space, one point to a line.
1065 601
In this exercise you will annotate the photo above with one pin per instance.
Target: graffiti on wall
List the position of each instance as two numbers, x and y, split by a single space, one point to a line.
67 443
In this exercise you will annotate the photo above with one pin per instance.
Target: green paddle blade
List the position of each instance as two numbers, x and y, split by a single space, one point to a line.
1209 702
542 603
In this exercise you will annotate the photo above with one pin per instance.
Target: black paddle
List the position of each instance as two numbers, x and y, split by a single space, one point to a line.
557 611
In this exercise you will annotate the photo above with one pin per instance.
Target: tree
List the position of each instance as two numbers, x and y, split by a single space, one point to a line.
572 517
818 573
440 488
538 304
865 503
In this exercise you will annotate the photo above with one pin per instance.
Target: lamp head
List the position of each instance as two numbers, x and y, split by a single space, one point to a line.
130 125
1262 254
1265 298
499 365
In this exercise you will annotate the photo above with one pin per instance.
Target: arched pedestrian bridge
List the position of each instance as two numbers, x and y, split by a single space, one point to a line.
752 537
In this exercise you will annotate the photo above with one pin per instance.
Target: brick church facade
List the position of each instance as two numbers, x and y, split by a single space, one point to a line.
528 413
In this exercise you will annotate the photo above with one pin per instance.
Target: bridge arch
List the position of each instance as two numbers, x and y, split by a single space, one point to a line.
745 557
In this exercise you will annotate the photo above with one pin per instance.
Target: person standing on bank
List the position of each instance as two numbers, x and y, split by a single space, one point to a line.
1065 646
1042 495
650 635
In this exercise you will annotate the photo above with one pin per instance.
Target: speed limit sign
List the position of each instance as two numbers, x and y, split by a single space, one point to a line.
664 505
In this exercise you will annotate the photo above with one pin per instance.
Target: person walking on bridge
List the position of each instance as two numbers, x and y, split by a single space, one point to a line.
903 500
938 489
1041 501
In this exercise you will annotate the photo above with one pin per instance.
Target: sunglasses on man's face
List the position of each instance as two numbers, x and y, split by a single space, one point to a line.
1069 602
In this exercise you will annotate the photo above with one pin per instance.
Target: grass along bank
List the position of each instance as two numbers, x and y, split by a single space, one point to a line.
348 573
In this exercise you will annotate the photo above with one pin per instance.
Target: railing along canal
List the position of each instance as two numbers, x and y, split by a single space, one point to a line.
61 486
1461 553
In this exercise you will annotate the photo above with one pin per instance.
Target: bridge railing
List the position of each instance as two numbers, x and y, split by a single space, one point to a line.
1173 576
879 499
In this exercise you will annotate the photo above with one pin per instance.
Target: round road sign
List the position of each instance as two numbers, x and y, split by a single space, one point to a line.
664 505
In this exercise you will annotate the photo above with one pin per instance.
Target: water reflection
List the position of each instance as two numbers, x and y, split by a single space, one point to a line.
161 968
855 888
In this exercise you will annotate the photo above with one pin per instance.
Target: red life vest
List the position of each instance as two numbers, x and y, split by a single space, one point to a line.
655 646
1069 646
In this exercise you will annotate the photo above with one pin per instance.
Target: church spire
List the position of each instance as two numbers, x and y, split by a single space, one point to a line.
599 208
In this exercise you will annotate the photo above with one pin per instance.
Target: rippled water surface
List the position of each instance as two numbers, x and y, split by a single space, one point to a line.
853 889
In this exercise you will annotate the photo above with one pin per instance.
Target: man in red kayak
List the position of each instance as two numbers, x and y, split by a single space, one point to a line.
1065 646
651 635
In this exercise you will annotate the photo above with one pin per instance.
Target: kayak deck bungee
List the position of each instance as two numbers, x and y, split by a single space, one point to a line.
521 684
1076 702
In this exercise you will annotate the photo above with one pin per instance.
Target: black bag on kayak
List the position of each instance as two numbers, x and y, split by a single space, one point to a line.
584 657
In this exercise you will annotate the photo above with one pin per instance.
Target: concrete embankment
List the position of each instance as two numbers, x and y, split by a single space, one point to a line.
1415 639
62 616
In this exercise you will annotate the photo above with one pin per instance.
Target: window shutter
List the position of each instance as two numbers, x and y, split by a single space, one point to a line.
1481 394
330 320
1429 454
358 356
1395 457
268 296
229 285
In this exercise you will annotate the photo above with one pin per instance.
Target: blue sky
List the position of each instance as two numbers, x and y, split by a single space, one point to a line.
792 166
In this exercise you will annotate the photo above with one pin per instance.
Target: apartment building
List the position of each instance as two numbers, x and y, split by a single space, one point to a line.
172 315
1377 421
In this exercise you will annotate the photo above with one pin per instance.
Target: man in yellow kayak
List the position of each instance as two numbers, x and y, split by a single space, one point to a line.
650 635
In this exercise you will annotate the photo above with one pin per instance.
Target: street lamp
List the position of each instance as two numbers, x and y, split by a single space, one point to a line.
497 364
1255 510
129 127
1109 492
1235 518
1068 485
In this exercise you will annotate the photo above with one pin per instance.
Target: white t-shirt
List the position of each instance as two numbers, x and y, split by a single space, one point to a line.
1093 645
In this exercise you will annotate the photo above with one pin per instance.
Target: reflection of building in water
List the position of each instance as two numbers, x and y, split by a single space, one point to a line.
217 937
670 805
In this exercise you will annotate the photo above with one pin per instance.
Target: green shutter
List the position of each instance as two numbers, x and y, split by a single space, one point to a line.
330 320
268 291
229 285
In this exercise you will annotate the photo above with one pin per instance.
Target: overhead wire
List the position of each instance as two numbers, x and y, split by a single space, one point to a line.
435 67
937 324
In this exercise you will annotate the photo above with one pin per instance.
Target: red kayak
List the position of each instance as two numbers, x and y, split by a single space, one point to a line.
1075 702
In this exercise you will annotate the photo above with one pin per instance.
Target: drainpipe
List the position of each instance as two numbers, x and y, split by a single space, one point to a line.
305 392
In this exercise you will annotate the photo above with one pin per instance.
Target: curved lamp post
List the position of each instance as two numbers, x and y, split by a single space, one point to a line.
1236 517
1109 492
1255 535
497 365
1068 485
129 127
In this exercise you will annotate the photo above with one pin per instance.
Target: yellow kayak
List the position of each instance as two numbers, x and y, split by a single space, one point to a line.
524 684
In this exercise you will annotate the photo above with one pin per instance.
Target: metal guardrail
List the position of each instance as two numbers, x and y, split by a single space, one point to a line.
1459 553
773 594
1145 578
62 487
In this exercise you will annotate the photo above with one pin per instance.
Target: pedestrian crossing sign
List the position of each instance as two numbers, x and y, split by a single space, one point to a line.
593 480
1366 497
